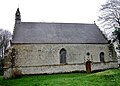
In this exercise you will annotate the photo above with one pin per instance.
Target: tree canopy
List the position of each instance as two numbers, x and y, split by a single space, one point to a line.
110 17
110 13
5 37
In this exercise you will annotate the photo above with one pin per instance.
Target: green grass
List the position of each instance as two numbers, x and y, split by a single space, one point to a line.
104 78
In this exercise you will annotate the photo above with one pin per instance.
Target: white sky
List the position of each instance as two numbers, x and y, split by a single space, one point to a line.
69 11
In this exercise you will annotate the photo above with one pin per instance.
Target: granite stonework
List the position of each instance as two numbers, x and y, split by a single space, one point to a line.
45 58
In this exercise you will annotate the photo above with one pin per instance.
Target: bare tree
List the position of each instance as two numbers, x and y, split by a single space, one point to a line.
110 13
110 18
5 37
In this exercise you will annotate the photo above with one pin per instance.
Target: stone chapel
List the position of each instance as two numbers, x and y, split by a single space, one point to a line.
42 47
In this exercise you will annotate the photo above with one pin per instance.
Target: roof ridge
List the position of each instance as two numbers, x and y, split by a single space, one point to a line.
59 23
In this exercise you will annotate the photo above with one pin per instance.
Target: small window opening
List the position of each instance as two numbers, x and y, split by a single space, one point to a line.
63 56
102 57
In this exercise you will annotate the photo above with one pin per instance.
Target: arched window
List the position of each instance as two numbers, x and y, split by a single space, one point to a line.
102 57
62 55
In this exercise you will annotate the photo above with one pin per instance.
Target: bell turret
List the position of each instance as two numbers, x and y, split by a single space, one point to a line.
17 16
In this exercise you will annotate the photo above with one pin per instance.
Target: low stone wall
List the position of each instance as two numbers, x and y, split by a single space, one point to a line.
65 68
106 65
51 69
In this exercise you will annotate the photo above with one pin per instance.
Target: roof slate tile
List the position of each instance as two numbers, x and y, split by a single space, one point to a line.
43 32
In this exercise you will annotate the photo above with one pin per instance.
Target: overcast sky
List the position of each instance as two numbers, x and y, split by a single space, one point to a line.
69 11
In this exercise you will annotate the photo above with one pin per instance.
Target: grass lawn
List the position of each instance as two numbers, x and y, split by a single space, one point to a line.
104 78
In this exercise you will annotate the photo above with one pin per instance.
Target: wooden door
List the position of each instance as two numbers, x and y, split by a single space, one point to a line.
88 66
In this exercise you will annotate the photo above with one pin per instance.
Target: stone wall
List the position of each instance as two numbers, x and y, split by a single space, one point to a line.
65 68
45 58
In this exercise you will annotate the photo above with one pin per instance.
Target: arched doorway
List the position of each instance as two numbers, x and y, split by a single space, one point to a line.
88 66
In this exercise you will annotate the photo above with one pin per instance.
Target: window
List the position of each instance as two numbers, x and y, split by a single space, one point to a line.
102 57
63 56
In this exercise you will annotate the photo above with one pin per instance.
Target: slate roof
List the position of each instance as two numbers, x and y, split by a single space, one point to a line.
42 32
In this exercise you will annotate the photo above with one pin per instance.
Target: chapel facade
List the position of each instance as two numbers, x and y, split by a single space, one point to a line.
42 47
